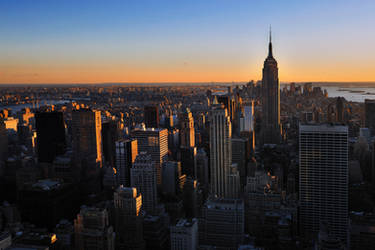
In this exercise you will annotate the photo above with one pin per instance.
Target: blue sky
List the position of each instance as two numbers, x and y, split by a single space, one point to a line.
177 40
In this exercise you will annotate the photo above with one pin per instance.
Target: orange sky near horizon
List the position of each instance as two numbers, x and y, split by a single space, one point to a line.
183 72
185 41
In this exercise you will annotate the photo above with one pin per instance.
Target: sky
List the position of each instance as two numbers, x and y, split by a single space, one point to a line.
71 41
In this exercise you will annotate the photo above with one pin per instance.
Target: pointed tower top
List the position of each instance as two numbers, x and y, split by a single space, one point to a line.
270 45
270 34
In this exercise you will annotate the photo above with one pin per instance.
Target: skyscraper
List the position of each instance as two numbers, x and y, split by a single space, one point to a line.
50 131
171 178
143 177
370 115
222 223
187 129
129 218
109 136
154 142
270 100
240 156
189 161
323 179
340 109
3 141
151 115
126 152
87 137
184 235
220 150
92 229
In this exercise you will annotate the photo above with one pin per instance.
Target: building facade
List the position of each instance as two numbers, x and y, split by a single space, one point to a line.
143 178
154 142
323 179
129 218
126 152
184 235
270 100
220 150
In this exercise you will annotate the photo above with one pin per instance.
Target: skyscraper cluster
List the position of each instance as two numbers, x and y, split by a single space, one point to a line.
217 166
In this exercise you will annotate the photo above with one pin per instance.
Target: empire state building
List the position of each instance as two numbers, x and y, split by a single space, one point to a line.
271 130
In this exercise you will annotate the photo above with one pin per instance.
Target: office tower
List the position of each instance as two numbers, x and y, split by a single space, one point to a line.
128 218
187 134
240 156
370 115
247 118
87 137
143 177
126 152
270 100
92 229
109 137
340 109
184 235
151 115
155 143
173 143
25 133
46 201
202 168
189 161
220 150
109 179
171 173
323 179
234 185
222 223
3 141
50 131
155 233
228 102
190 197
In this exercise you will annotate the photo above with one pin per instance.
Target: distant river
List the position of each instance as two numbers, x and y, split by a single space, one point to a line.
351 93
19 107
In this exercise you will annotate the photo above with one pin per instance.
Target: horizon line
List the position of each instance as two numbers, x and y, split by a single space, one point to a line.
179 82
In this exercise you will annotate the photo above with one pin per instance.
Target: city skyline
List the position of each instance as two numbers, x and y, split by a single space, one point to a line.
211 41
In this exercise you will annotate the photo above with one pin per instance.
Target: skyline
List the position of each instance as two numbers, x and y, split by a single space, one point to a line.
210 41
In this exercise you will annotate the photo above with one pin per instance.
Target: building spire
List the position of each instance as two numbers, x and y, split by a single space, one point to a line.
270 45
270 34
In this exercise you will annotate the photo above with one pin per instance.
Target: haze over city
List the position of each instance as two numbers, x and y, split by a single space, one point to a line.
184 41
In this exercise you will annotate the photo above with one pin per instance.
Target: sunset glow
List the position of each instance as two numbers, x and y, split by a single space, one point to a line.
124 41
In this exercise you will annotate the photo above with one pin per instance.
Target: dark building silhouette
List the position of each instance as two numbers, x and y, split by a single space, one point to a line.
45 202
370 115
151 114
187 134
155 233
340 109
271 100
50 135
129 219
189 161
109 137
126 152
